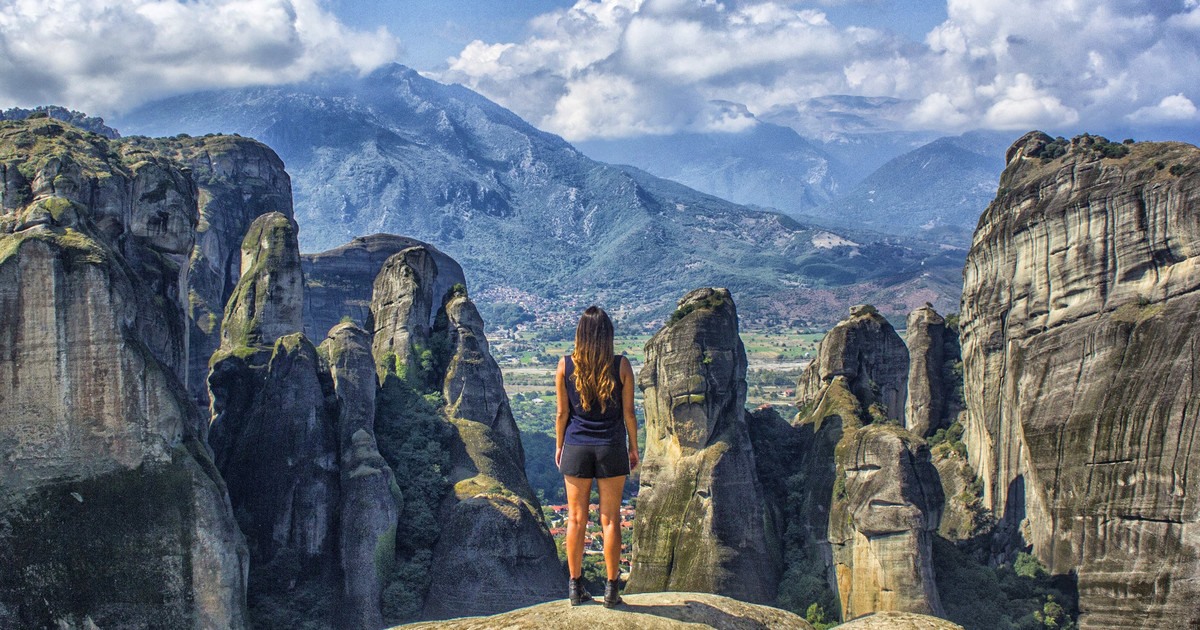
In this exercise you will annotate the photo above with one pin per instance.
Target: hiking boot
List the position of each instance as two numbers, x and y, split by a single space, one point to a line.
577 593
612 594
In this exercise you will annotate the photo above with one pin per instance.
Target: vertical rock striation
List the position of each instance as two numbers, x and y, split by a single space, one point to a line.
111 512
493 552
883 495
701 524
926 408
237 180
339 282
1079 313
867 352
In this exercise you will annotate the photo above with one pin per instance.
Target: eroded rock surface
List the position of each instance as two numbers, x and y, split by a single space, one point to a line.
883 495
237 180
926 409
493 551
339 282
665 611
111 511
1079 314
702 524
866 350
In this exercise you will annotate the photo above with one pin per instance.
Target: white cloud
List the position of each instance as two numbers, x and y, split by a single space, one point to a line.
1173 108
629 67
105 55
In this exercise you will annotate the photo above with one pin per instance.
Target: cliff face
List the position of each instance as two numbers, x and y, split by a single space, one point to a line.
293 434
1079 315
237 180
926 408
883 494
339 282
493 551
97 429
702 524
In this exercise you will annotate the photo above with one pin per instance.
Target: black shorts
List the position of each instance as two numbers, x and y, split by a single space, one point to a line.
594 461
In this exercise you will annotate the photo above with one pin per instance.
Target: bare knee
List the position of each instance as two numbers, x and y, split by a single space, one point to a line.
608 520
578 518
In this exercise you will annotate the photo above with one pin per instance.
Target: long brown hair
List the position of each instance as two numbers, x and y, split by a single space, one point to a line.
593 358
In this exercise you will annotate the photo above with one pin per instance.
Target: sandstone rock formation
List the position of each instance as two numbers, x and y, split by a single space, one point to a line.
652 611
1079 314
926 409
866 350
293 434
237 180
701 524
883 495
493 552
899 621
111 511
339 282
882 520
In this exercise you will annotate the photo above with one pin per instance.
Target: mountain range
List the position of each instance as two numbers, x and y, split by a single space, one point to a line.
530 217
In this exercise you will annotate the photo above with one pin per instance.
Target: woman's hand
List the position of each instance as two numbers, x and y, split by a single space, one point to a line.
633 459
558 457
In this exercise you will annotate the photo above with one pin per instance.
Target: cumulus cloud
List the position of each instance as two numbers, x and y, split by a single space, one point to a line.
629 67
1171 109
106 55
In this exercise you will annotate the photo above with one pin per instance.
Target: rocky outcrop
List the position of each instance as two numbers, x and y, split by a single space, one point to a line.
867 352
1079 313
882 521
653 611
701 523
882 493
493 552
926 409
899 621
339 282
293 434
111 512
237 180
370 498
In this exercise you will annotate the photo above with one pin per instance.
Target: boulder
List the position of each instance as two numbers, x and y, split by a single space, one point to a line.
702 523
926 409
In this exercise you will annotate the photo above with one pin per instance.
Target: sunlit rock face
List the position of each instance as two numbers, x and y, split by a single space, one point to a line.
111 512
1079 319
701 518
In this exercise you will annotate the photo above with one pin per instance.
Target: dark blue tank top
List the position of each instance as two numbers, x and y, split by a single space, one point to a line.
595 427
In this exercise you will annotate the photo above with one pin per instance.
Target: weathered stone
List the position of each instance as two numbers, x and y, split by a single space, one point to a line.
925 411
1079 313
401 304
650 611
268 301
370 498
882 520
883 495
339 282
866 350
701 518
495 551
97 430
891 620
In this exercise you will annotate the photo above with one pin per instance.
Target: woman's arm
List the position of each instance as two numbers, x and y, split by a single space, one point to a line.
564 409
627 408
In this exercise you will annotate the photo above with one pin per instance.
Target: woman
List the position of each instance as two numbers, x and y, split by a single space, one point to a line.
597 439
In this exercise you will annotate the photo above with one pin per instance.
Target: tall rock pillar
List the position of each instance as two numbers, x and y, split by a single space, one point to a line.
701 522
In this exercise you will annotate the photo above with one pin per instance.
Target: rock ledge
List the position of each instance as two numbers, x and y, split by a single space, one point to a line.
646 610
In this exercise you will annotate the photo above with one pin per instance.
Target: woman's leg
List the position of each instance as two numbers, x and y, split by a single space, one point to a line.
610 522
579 491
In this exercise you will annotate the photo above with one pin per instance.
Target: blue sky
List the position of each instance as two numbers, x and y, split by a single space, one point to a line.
620 68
